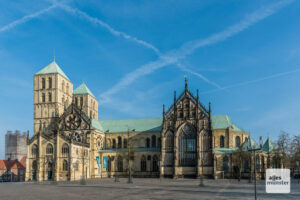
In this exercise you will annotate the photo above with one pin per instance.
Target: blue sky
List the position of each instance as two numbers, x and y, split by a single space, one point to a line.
243 56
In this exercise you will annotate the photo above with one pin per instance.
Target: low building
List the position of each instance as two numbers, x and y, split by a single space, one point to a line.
12 170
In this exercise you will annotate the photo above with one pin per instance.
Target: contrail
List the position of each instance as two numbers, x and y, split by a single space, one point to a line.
175 55
117 33
26 18
253 81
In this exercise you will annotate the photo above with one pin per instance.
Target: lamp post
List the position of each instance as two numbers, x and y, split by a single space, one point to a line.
249 148
297 163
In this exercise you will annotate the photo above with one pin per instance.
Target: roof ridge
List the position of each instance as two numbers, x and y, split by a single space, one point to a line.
83 89
52 68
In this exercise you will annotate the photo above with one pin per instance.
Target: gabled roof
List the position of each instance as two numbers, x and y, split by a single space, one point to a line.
223 122
253 144
122 125
268 147
83 89
52 68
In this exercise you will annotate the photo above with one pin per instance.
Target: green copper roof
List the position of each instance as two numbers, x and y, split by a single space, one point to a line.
268 146
118 126
225 150
253 144
223 122
52 68
83 89
152 124
139 149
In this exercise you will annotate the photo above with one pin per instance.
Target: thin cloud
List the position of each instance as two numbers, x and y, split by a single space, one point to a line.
26 18
188 48
254 81
126 36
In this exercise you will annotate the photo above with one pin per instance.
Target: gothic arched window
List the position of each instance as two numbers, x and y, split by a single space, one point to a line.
43 83
49 149
125 143
114 143
81 101
65 165
148 142
34 150
76 101
153 141
169 141
225 164
237 141
65 149
50 82
155 164
222 141
187 146
143 164
50 97
159 142
119 142
43 97
120 164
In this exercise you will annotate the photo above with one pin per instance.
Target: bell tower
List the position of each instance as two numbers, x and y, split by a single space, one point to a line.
53 92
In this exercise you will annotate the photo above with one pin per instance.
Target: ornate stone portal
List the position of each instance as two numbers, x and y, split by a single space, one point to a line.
186 138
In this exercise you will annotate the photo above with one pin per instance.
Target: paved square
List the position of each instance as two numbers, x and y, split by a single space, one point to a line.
141 189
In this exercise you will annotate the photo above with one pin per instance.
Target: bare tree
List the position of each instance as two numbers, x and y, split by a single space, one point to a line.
239 157
295 148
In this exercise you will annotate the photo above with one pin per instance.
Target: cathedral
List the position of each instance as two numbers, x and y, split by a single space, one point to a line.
70 143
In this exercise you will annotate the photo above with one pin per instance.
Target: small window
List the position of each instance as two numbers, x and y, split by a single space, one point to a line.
237 141
65 149
143 164
114 143
222 141
49 149
148 142
119 142
125 143
153 141
43 83
76 101
50 82
43 97
50 97
81 101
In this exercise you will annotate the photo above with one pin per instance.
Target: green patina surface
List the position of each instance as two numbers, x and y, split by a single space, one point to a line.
52 68
83 89
223 122
153 124
268 147
125 150
225 150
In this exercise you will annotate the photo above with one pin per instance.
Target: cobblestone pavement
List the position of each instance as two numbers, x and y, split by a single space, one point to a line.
141 189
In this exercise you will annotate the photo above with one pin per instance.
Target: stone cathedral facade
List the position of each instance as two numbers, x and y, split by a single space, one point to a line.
70 143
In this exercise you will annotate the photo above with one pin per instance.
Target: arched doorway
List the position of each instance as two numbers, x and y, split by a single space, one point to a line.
34 167
50 171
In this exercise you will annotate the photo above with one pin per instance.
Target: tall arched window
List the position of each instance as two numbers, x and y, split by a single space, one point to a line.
43 83
34 150
108 164
65 149
125 143
159 142
148 142
119 142
49 149
50 82
76 101
222 141
169 141
43 97
187 146
81 101
153 141
65 165
120 164
225 164
114 143
237 141
155 164
143 164
50 97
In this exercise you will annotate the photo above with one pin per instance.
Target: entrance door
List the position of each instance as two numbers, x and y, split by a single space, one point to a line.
50 169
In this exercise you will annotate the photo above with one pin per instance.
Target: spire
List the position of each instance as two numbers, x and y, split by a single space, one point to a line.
186 82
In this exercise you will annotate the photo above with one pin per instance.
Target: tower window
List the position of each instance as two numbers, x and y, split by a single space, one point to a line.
222 141
76 101
50 97
50 82
43 83
43 97
49 149
81 101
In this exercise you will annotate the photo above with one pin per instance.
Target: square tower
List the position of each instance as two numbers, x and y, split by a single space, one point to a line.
53 92
84 99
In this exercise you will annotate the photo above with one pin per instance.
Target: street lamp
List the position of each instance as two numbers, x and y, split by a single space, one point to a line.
201 176
249 148
297 163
